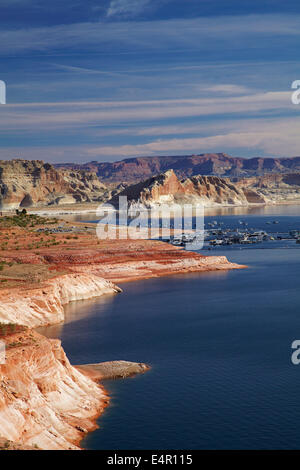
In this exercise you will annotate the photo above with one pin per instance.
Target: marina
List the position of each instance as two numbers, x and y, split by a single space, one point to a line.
217 234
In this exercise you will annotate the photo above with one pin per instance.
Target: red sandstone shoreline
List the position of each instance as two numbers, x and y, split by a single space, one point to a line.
82 270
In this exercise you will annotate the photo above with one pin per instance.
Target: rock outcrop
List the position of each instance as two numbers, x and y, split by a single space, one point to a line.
113 369
45 403
214 178
275 188
132 170
83 270
25 183
45 305
205 190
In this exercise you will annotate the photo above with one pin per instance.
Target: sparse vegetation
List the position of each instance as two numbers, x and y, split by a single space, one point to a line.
23 249
22 219
7 329
5 445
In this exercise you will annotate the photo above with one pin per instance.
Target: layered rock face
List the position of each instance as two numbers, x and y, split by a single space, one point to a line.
212 190
131 170
25 183
205 190
45 306
44 401
274 188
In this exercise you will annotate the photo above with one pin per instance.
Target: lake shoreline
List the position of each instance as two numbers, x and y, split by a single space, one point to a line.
80 270
91 208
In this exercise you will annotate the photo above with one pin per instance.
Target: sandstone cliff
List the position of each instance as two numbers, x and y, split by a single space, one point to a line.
205 190
45 305
25 183
275 188
44 401
81 269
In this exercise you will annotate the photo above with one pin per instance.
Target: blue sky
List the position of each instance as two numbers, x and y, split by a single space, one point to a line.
104 80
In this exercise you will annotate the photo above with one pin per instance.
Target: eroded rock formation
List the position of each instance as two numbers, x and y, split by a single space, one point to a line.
45 306
205 190
275 188
25 183
44 401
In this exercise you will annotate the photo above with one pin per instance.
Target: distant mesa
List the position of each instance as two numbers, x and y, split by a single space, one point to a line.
132 170
210 179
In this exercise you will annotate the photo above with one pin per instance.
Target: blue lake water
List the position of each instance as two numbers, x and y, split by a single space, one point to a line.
219 344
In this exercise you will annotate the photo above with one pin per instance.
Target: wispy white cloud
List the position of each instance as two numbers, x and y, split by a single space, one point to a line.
55 115
83 70
279 138
273 137
228 89
127 8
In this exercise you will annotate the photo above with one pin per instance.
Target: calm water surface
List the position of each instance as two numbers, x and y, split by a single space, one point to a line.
219 345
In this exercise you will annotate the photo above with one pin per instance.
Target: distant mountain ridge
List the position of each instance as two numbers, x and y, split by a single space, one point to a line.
34 183
132 170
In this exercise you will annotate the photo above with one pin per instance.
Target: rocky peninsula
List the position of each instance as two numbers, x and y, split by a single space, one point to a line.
45 402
